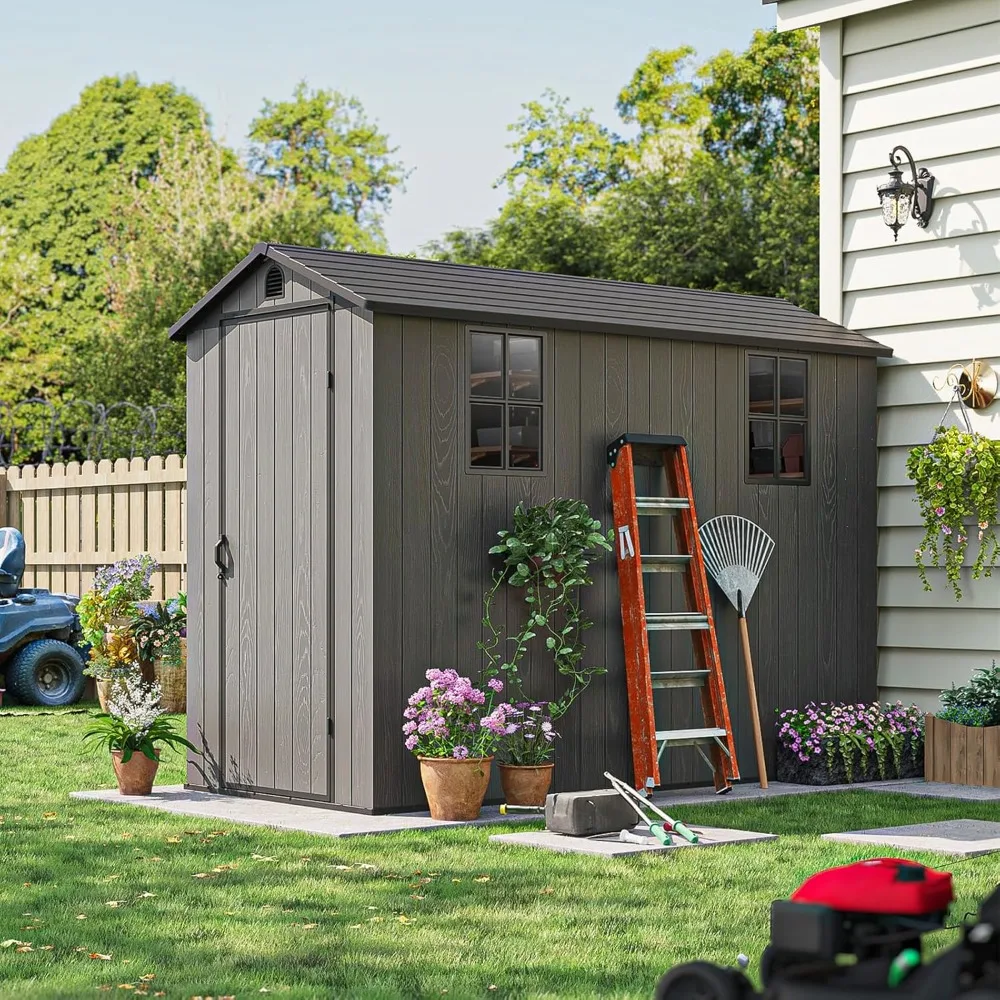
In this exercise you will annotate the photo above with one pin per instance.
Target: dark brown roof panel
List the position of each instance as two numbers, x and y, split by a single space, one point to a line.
431 288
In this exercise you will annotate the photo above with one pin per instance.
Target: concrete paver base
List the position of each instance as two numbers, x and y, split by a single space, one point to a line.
609 846
281 815
965 837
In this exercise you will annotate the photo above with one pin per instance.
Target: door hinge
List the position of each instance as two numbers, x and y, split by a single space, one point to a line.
329 380
329 727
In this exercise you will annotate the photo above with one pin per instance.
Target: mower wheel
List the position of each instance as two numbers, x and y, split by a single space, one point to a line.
703 981
46 672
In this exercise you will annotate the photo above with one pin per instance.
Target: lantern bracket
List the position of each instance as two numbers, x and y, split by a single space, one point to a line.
923 186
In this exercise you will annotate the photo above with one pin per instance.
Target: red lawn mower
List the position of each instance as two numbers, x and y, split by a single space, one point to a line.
875 911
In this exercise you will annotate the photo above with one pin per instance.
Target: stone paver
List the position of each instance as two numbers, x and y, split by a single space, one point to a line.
609 846
965 837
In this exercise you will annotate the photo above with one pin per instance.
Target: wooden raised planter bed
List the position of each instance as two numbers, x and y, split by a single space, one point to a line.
961 755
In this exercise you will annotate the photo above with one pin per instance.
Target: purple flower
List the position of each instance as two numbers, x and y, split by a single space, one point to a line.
411 742
945 529
495 684
939 511
460 752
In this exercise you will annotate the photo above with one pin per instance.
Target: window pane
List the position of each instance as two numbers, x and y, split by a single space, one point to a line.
793 450
793 387
525 367
761 461
487 435
761 385
525 431
487 364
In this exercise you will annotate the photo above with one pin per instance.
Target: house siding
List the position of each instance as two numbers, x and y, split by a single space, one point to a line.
924 74
812 621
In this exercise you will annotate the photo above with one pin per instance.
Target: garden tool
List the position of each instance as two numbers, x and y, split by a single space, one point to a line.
736 552
661 831
505 808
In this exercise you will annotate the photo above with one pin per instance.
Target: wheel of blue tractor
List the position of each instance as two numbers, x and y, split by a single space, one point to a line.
46 672
703 981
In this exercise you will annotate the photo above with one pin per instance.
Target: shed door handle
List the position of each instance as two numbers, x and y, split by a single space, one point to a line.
220 546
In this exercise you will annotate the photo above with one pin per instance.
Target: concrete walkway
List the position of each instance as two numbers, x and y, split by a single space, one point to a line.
337 823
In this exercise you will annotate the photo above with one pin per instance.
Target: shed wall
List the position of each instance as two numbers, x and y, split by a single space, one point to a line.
924 74
812 622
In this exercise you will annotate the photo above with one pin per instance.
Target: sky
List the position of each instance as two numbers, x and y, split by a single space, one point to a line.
443 79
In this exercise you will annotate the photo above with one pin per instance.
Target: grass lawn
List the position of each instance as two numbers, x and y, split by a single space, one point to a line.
128 900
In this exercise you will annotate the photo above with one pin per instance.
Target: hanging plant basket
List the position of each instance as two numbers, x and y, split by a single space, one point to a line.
957 480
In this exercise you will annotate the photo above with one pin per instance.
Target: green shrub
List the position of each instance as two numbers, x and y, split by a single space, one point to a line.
979 699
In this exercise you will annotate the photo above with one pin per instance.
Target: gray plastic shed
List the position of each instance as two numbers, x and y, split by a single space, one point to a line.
360 427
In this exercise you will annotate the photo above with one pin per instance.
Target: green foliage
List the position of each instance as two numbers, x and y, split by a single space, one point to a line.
719 189
55 193
976 703
156 633
321 145
957 481
547 554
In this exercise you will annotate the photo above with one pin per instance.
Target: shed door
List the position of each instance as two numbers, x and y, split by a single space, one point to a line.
276 405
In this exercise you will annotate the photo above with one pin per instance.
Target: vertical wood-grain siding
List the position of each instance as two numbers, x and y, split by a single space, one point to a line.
811 629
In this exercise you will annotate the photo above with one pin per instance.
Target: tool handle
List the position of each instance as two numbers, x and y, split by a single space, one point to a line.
752 692
505 808
689 835
661 834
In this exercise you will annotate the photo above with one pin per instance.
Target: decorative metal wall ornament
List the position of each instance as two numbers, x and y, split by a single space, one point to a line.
900 199
37 431
976 383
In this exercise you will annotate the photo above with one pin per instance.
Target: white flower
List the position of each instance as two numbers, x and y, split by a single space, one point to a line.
135 702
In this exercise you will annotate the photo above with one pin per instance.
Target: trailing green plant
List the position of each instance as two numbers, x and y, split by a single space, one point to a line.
957 480
977 700
134 722
852 731
547 554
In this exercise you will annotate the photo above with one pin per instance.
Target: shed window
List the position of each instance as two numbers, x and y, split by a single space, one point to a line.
505 400
777 439
274 283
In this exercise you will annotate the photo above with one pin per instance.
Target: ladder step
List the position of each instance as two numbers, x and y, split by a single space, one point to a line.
661 505
676 620
689 737
679 678
665 564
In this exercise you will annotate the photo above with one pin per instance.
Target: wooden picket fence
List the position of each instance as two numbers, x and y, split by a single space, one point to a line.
79 516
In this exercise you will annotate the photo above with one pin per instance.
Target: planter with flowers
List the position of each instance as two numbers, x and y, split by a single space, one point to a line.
132 730
453 729
963 740
159 634
835 744
106 612
525 750
957 480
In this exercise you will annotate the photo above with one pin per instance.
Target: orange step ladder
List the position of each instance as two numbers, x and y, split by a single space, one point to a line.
649 742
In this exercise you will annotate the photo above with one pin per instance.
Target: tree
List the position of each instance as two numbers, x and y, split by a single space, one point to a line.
167 241
718 189
321 144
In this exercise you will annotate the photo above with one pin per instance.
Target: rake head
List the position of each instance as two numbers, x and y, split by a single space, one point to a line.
736 552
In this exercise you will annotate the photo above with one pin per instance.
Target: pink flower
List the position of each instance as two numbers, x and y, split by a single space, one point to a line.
939 511
495 684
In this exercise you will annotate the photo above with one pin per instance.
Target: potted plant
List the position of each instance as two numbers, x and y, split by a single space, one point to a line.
108 664
452 728
526 746
131 730
156 633
546 555
835 743
957 479
963 740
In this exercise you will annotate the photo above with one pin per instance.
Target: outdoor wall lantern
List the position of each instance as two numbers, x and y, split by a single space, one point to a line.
901 199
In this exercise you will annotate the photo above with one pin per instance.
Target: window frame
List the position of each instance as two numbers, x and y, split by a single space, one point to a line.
506 401
804 418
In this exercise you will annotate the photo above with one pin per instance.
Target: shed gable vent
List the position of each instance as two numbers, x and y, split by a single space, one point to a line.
274 283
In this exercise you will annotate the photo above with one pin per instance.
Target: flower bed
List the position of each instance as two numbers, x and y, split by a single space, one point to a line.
832 744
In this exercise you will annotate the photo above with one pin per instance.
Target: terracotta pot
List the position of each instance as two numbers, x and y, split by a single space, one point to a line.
173 683
135 777
525 784
455 789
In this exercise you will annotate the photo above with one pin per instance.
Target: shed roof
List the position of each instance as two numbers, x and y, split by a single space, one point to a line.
431 288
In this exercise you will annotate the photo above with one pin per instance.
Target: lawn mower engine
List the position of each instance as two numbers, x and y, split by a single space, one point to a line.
874 912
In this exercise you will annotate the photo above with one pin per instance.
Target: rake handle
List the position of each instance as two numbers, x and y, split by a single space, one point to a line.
752 690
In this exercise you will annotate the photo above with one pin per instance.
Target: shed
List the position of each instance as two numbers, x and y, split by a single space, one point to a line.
360 427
